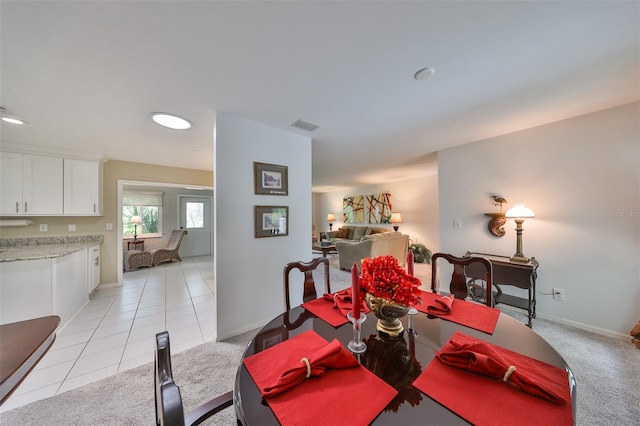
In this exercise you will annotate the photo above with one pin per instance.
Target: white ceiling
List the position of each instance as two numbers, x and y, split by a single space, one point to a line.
86 75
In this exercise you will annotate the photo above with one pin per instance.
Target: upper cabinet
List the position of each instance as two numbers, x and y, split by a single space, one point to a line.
82 187
31 185
40 185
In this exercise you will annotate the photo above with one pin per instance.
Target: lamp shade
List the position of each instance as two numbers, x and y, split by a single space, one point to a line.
331 217
396 218
519 211
136 220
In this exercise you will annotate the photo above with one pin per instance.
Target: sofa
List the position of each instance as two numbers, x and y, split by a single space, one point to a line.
353 233
395 244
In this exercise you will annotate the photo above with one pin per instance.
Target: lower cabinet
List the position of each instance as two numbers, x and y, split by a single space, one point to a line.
36 288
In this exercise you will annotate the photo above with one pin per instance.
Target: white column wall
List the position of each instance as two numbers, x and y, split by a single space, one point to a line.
249 286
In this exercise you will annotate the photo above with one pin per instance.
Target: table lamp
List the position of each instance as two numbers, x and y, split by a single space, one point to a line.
136 220
518 213
331 218
395 219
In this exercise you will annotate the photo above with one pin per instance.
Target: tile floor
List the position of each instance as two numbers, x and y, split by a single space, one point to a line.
115 331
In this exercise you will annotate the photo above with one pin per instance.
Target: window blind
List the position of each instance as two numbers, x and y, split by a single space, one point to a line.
142 198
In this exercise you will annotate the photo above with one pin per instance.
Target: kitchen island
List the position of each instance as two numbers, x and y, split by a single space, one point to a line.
44 276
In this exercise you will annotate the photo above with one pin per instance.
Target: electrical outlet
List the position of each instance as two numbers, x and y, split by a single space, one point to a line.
558 294
72 227
44 227
109 226
457 224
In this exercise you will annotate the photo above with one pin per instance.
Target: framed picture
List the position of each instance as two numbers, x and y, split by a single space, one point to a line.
271 221
268 338
270 179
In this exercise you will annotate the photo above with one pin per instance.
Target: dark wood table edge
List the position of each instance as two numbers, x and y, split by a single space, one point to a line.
18 372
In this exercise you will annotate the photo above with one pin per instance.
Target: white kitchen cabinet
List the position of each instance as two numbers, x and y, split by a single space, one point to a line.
93 268
82 195
42 185
31 185
10 183
25 290
36 288
70 284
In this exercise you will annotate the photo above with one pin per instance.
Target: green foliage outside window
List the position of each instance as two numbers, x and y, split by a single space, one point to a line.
150 219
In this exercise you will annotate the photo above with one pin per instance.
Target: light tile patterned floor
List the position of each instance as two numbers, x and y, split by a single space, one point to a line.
115 331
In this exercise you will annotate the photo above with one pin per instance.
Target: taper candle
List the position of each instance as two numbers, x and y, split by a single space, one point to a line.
355 292
410 263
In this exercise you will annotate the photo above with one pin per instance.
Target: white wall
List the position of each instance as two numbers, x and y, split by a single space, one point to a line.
249 270
581 177
416 199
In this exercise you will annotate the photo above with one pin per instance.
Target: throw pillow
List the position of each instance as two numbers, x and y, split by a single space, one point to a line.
343 233
358 233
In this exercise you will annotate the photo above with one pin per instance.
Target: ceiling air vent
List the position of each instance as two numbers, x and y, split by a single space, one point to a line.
304 126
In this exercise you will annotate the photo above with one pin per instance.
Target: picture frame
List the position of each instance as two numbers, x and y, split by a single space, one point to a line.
270 179
271 221
268 338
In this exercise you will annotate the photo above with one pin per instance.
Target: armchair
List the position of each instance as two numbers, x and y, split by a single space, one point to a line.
388 243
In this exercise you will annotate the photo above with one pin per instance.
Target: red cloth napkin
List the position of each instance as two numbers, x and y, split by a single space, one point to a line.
333 308
326 399
469 314
456 387
441 305
331 355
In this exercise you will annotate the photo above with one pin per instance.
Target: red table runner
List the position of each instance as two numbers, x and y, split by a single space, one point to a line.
483 400
469 314
325 308
345 396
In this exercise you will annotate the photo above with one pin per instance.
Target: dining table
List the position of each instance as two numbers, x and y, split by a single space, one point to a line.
22 345
398 362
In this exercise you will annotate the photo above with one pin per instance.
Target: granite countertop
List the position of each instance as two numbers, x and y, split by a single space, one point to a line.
16 249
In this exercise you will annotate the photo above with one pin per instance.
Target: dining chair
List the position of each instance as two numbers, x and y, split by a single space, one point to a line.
169 409
309 291
459 285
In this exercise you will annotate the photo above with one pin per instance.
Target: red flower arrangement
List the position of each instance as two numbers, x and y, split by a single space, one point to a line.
383 277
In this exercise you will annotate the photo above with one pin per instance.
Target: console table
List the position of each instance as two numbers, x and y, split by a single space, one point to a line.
506 272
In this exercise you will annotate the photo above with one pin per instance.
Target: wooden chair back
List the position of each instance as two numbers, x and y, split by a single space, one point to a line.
169 409
309 290
458 285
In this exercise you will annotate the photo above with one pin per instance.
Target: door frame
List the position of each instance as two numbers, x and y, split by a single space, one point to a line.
120 190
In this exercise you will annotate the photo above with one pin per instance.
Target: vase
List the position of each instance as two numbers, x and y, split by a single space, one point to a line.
388 313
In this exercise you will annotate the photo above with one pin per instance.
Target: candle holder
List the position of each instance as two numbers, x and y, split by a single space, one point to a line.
356 346
410 329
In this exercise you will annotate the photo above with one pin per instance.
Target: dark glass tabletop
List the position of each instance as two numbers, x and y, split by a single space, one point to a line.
399 362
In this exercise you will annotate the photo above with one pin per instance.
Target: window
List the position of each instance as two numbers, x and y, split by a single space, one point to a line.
147 205
194 214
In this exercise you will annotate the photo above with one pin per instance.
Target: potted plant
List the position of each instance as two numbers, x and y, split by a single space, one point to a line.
421 254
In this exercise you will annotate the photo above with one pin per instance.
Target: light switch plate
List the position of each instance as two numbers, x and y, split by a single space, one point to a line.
109 226
44 227
72 227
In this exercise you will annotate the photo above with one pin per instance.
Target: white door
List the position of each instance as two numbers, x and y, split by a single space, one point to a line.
195 217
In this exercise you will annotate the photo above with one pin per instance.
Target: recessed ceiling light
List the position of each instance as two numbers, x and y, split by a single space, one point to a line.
171 121
9 117
424 73
12 120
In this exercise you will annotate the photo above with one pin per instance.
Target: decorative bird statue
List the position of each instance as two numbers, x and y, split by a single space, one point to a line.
499 201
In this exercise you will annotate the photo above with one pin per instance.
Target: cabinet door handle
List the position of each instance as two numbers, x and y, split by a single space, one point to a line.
94 207
17 206
25 206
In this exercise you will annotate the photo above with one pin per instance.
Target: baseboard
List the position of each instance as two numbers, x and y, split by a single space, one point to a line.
585 327
108 285
244 329
575 324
